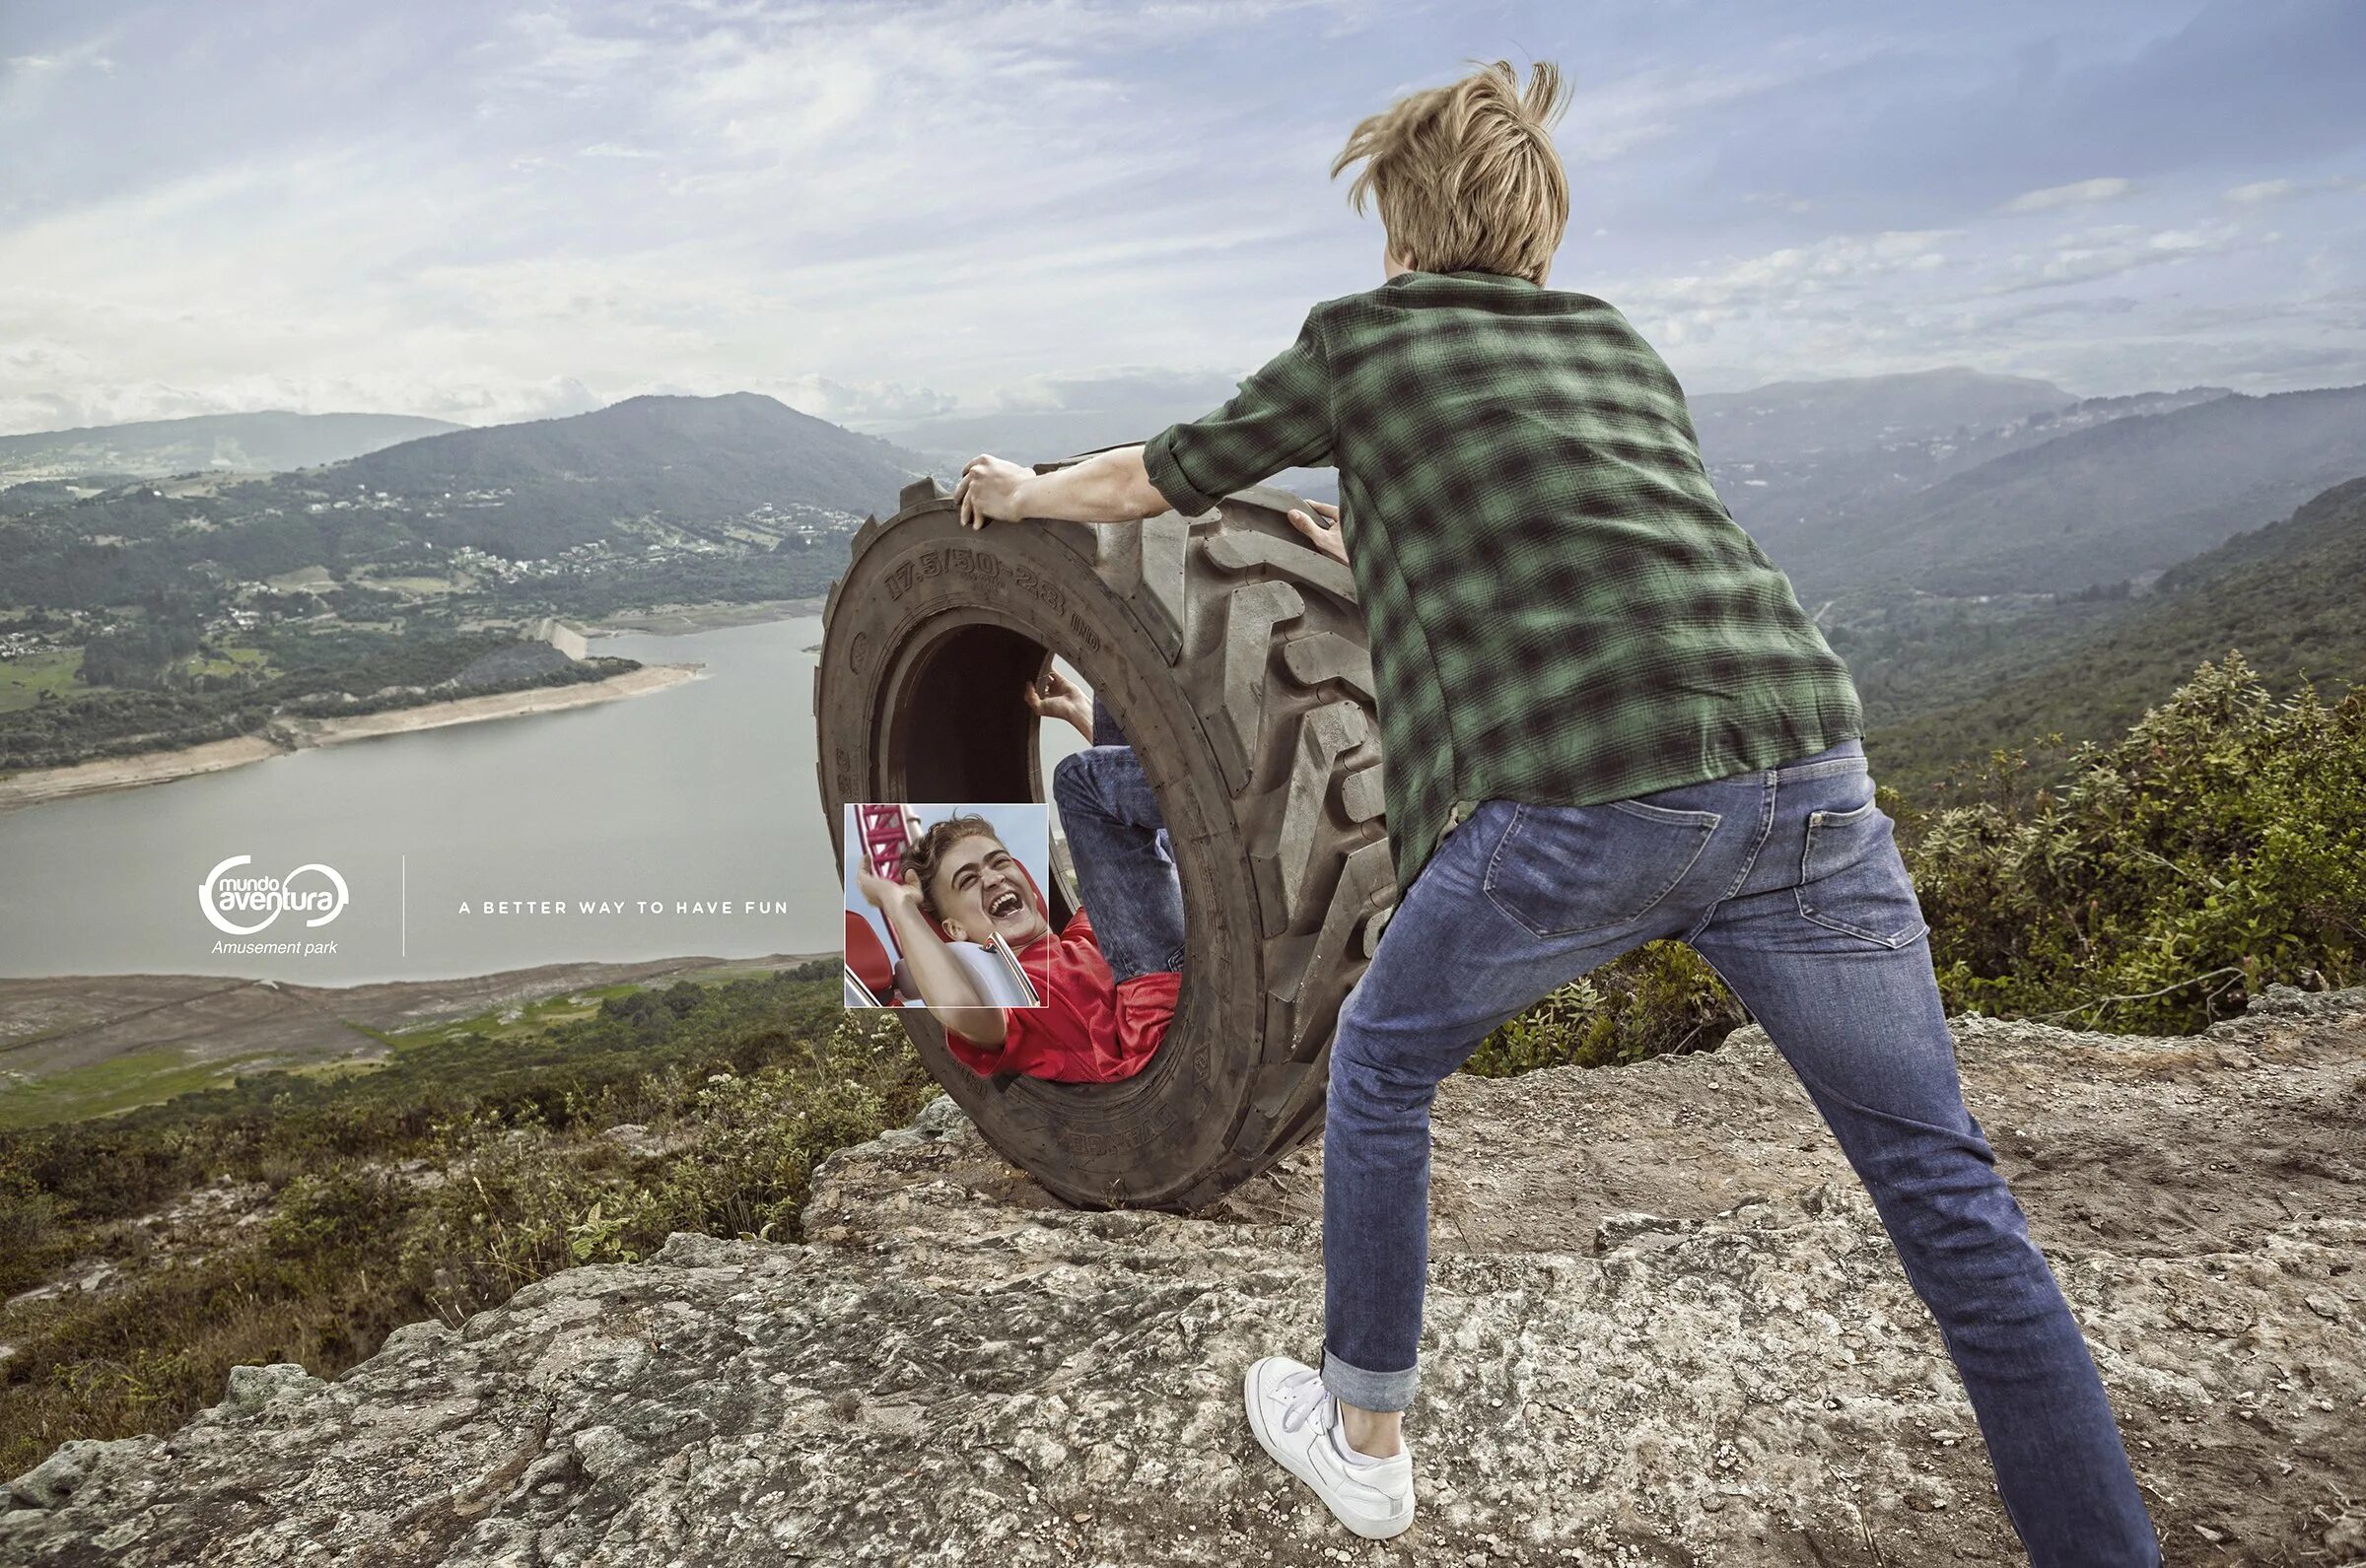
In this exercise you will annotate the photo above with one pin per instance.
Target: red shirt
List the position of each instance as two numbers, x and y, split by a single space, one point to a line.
1089 1029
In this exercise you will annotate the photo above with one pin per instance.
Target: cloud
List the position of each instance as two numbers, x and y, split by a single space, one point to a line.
2263 190
88 53
2122 248
2078 193
867 404
1608 119
1688 308
1126 387
820 199
36 83
462 402
1042 417
1970 107
1006 209
550 397
2087 306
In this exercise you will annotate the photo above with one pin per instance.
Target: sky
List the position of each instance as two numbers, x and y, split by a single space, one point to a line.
887 213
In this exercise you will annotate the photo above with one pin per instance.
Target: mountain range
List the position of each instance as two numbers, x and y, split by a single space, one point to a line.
689 459
723 475
1785 420
1979 547
1798 503
268 441
2124 498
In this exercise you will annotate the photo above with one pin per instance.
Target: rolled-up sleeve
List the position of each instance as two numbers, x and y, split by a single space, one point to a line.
1280 418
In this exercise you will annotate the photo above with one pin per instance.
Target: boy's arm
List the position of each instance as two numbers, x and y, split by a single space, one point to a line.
947 989
1280 418
1108 487
1058 698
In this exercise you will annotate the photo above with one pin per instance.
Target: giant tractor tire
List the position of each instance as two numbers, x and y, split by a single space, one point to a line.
1233 656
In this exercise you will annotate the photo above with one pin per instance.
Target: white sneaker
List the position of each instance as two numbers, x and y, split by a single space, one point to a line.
1296 1421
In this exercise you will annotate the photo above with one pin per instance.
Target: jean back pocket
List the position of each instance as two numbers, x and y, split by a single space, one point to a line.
1562 871
1852 880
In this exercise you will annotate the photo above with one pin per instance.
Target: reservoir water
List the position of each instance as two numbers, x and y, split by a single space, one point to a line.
663 808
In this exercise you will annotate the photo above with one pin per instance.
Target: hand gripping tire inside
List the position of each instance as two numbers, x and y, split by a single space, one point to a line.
1233 656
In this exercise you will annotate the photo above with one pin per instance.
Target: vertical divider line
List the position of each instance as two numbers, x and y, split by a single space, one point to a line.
405 921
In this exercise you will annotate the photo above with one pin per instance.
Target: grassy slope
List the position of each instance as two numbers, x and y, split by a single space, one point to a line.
22 680
151 1078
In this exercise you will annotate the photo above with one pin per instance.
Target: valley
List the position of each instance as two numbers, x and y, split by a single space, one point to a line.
178 612
1967 541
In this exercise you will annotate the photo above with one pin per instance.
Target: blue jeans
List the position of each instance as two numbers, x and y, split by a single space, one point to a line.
1789 882
1124 874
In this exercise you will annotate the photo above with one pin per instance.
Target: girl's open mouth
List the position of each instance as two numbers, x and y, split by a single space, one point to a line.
1006 904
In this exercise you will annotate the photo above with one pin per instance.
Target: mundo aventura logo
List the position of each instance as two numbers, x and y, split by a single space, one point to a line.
244 906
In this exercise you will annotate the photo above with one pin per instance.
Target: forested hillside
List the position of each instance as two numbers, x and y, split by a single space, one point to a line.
2290 598
731 476
693 460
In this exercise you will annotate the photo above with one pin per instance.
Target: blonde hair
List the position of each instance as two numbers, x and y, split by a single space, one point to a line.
1466 175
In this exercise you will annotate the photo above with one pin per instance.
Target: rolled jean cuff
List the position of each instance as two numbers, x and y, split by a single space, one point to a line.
1369 1391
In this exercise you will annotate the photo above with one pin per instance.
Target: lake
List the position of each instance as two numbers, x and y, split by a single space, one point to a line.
614 832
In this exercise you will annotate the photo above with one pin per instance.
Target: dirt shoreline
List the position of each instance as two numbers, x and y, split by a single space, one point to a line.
38 786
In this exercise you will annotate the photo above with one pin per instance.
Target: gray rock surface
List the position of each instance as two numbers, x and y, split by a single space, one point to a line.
1665 1328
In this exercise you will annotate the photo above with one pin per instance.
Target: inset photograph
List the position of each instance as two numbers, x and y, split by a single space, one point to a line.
941 900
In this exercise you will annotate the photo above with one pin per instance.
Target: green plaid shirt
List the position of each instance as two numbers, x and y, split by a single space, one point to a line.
1562 611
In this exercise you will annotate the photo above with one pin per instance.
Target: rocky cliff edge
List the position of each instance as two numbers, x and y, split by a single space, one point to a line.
1666 1329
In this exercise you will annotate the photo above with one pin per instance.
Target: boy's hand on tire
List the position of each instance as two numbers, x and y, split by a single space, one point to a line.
989 491
1322 529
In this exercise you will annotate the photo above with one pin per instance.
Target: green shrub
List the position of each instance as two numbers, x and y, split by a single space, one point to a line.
31 1242
509 1191
1660 1000
2156 885
757 1139
2218 847
337 1211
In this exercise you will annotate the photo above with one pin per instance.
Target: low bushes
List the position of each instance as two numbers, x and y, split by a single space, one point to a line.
2153 884
433 1187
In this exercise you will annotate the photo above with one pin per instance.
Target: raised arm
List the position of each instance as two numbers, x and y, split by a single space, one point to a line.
1058 696
945 987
